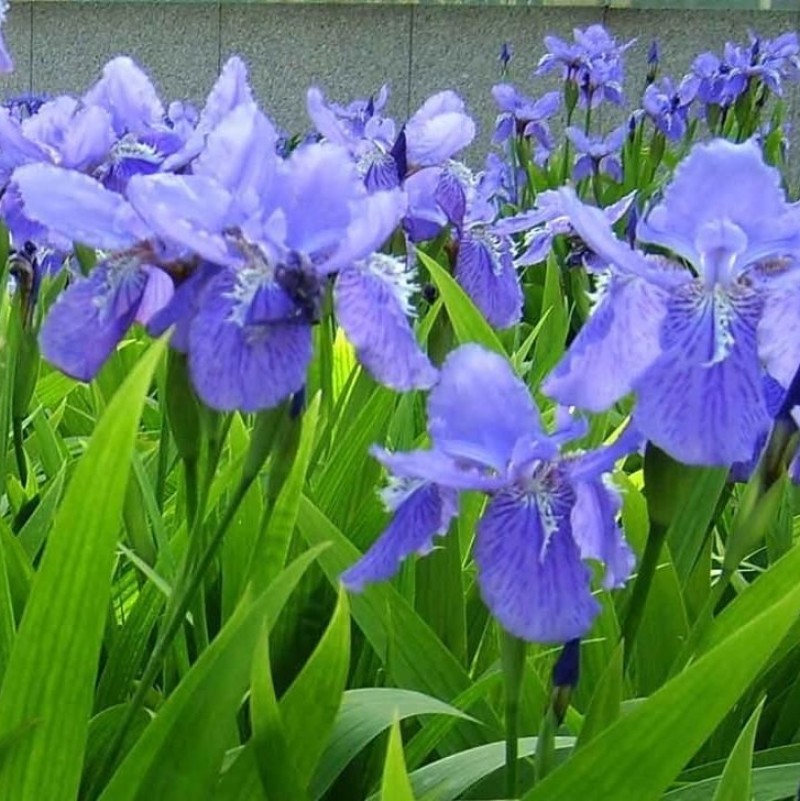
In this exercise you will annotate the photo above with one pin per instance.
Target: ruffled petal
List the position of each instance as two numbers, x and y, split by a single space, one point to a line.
480 409
532 579
485 269
372 315
78 207
424 514
747 192
438 130
234 365
129 95
597 534
703 400
615 346
85 324
189 210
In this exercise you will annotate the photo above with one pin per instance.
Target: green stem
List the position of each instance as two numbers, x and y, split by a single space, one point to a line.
546 744
19 450
513 659
191 483
641 589
163 463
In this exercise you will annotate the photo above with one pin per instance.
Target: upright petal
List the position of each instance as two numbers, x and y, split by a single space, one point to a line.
85 324
480 409
616 345
78 207
531 578
438 130
485 269
158 292
702 400
234 365
370 307
423 514
129 95
747 192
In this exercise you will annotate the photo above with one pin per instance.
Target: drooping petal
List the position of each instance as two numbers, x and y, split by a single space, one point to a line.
85 324
423 514
778 343
616 345
597 534
485 269
702 400
78 207
532 578
182 307
235 365
157 294
480 409
371 311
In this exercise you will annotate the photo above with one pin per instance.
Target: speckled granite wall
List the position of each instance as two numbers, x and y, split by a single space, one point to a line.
349 50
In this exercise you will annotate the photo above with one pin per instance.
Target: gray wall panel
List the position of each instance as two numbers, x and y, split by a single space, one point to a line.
18 31
349 51
177 44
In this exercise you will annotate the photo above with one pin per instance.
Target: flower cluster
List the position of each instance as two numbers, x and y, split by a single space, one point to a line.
681 282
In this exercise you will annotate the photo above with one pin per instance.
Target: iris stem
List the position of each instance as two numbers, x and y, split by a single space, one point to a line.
546 744
513 660
641 588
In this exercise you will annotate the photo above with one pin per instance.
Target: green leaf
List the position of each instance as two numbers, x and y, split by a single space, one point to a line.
638 757
51 674
275 760
8 624
605 705
272 547
313 699
448 778
415 657
179 755
468 323
550 344
737 778
395 785
772 783
363 715
33 534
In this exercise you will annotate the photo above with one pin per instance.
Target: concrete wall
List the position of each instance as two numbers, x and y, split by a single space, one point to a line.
349 50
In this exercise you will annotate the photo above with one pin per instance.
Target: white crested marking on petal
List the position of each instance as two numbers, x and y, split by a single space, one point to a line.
397 275
255 275
722 314
398 490
493 244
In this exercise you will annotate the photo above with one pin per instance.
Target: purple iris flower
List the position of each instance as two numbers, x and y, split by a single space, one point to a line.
693 344
271 232
715 81
594 63
597 154
668 106
549 219
484 263
522 116
91 317
6 62
547 513
771 61
438 130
